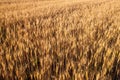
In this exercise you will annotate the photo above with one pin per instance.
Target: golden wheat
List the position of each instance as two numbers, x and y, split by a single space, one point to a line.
59 40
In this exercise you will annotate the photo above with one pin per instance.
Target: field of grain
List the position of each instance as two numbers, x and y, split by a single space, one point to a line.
59 39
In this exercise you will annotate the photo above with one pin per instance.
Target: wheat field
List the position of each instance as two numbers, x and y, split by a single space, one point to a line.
59 39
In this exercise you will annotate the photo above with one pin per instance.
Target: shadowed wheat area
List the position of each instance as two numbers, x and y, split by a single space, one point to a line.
59 40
